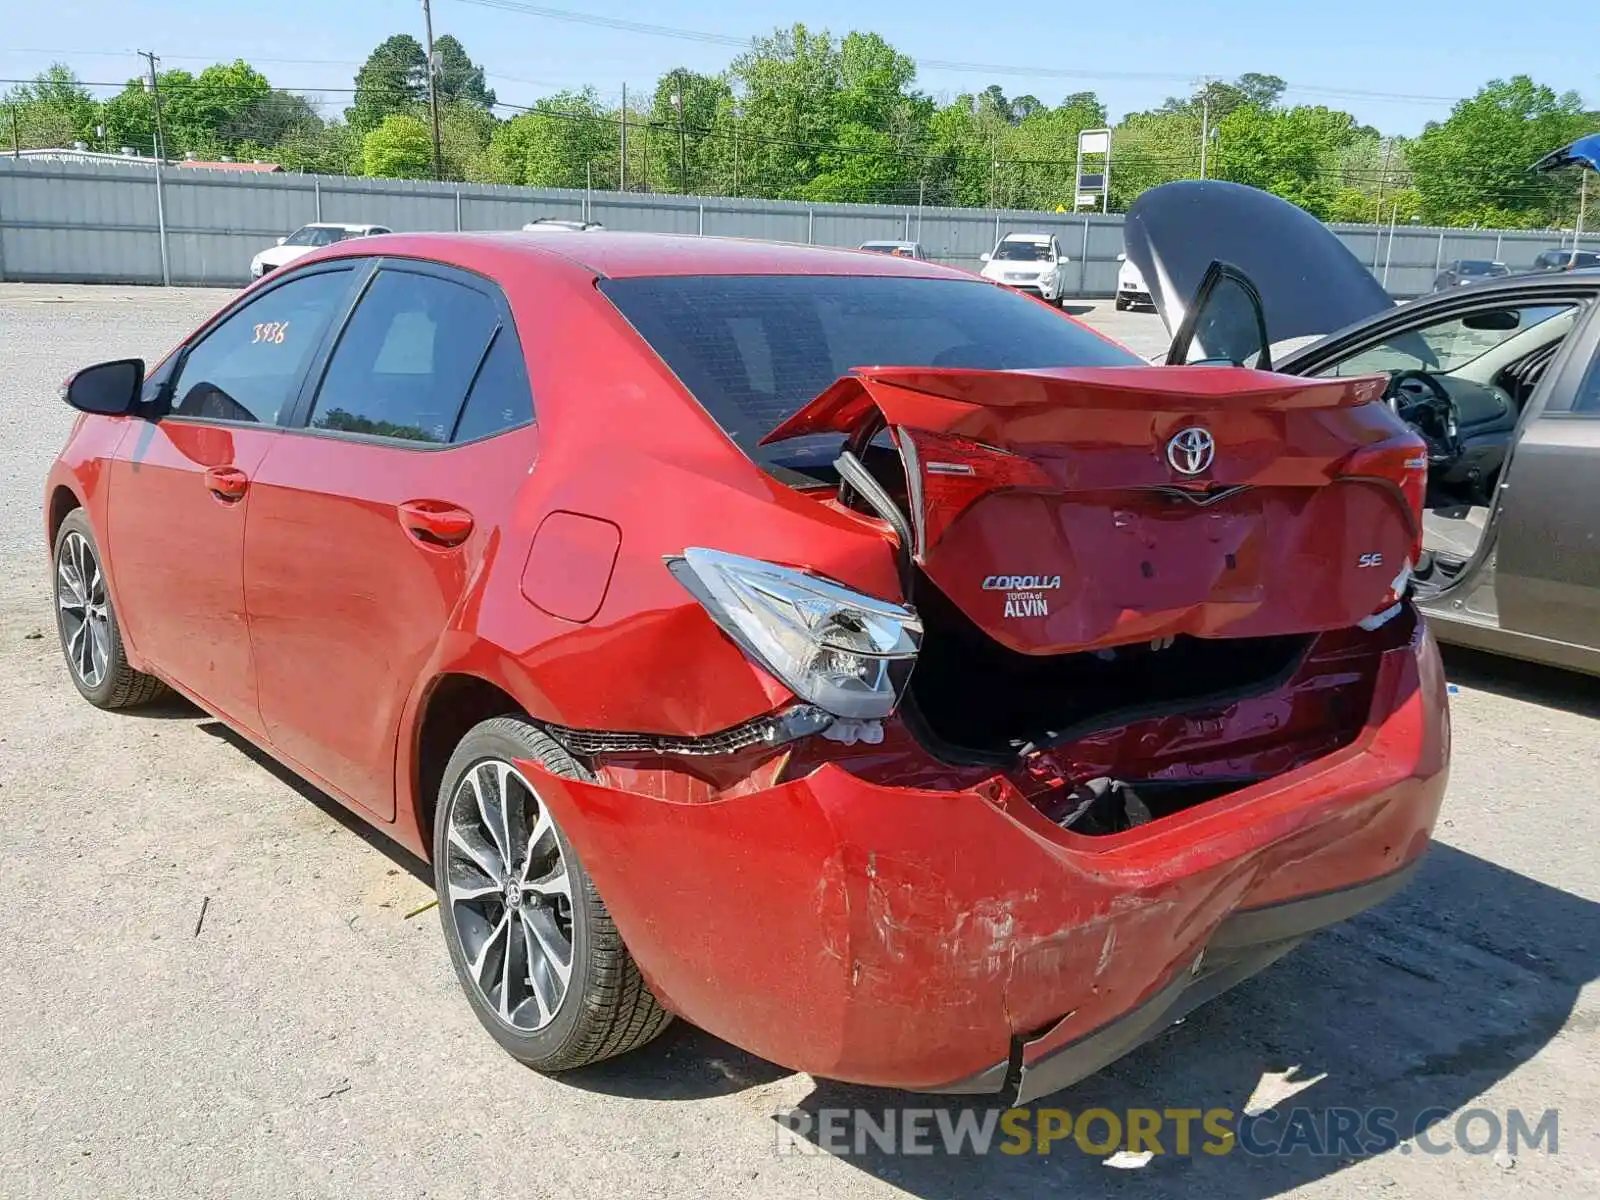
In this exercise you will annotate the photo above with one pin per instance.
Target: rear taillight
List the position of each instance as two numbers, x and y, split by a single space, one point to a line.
1401 462
947 475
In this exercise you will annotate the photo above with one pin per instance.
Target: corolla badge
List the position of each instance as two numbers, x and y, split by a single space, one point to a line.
1191 450
1025 594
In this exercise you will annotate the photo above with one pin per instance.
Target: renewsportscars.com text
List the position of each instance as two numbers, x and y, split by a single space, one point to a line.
1326 1132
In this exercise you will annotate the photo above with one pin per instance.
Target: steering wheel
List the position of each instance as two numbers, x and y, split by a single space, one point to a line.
1429 409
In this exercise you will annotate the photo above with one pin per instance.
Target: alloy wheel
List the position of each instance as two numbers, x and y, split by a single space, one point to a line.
510 896
85 610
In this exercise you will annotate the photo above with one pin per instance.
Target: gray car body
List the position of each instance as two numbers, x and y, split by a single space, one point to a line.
1531 589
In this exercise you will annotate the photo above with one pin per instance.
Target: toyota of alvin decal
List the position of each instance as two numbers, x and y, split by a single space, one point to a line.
1025 594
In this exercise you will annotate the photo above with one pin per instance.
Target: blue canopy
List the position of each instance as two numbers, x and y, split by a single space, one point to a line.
1585 152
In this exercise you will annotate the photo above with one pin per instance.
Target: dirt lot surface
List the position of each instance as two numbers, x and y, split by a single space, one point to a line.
306 1039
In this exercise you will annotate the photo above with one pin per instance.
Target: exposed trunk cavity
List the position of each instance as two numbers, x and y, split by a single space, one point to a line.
980 701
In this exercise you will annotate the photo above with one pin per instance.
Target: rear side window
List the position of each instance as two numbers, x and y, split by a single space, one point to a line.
406 359
755 348
248 367
500 398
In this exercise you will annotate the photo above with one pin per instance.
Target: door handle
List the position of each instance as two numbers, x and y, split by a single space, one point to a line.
227 483
435 523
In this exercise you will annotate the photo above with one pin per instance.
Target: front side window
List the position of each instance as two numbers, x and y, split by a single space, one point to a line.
1446 345
248 367
406 359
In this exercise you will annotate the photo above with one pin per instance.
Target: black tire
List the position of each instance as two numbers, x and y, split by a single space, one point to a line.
117 685
606 1009
1122 304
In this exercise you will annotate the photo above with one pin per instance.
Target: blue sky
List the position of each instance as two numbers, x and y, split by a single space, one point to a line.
1394 63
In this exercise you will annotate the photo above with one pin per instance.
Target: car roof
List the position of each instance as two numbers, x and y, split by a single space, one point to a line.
1026 237
618 255
342 225
886 242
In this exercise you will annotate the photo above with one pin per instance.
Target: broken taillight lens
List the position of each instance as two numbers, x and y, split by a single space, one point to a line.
1403 462
947 475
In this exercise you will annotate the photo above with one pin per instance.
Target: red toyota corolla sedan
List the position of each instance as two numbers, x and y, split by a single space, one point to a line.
873 666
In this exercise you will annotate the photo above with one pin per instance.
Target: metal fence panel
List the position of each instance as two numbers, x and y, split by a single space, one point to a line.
96 222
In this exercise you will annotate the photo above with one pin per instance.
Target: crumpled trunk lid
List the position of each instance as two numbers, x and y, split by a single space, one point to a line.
1077 508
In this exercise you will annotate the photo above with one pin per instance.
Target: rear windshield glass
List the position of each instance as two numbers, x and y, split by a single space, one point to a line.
755 348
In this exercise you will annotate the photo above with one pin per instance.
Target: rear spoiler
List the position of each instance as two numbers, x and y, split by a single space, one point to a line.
987 405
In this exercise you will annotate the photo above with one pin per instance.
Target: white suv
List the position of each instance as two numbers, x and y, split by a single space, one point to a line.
1029 262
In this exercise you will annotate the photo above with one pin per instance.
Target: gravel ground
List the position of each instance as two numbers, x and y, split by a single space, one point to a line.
306 1039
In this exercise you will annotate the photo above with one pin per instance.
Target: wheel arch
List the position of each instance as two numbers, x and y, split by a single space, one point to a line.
63 500
452 703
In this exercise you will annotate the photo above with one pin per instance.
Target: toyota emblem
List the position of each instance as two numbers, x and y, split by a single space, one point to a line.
1191 450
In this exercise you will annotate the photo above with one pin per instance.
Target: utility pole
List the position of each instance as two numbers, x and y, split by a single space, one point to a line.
433 91
16 138
1383 178
155 100
683 176
622 158
158 144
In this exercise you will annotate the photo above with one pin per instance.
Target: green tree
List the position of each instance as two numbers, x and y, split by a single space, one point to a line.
1293 153
1473 167
559 143
460 80
787 82
334 149
274 119
203 114
54 110
465 130
1038 155
394 79
703 104
399 148
1149 149
880 127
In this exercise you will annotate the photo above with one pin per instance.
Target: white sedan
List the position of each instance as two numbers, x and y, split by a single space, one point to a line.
306 239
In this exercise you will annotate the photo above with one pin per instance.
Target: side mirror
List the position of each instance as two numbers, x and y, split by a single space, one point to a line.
985 256
109 389
283 239
1500 321
1122 258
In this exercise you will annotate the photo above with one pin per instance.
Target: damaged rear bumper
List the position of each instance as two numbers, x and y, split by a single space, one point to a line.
957 941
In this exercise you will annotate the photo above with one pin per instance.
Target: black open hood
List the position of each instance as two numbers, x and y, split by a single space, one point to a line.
1310 283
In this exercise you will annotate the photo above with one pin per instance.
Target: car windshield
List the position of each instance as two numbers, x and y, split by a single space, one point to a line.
314 235
752 349
1443 346
1023 251
1473 266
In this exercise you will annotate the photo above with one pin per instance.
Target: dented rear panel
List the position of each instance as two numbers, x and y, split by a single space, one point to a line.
1075 508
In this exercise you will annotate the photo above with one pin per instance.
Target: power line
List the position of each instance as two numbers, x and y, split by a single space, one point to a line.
935 64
